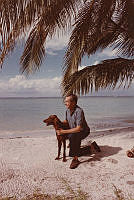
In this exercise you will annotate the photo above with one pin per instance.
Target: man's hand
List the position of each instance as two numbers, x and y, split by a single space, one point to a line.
59 132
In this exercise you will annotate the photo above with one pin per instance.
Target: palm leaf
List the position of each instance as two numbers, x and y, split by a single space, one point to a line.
88 32
34 50
19 15
99 25
124 18
10 42
16 18
107 74
124 15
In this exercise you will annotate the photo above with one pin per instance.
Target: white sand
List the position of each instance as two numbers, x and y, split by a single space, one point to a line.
28 165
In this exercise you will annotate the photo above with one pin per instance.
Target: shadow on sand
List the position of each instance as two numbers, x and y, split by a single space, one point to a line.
106 151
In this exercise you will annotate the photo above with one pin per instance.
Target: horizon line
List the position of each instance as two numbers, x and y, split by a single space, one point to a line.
13 97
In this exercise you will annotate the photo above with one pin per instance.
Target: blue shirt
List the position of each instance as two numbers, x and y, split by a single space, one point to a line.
77 118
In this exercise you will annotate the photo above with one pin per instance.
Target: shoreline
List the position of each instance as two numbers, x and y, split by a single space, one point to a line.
28 165
51 133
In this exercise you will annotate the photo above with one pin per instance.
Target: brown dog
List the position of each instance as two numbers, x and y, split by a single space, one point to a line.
55 121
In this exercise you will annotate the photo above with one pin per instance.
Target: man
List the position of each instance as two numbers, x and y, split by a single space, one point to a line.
78 128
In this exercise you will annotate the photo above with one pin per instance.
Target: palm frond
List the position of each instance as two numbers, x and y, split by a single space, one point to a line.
11 41
124 18
89 33
100 24
124 15
107 74
17 17
34 50
48 23
25 12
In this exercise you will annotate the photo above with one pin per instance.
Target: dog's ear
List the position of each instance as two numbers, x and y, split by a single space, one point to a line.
57 121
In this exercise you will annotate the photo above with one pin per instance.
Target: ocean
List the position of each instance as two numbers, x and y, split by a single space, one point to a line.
24 116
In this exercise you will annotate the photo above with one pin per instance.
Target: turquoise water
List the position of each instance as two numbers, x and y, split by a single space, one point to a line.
27 114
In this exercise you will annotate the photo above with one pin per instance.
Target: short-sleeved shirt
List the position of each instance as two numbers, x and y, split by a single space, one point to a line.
77 118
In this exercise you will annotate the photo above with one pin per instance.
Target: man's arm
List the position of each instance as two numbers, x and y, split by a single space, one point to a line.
71 130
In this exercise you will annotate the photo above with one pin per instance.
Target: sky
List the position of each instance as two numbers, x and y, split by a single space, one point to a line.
47 81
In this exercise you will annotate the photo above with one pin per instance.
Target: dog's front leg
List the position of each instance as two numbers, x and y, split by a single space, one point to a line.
64 151
59 150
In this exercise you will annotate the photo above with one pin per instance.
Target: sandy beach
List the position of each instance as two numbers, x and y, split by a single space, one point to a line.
28 165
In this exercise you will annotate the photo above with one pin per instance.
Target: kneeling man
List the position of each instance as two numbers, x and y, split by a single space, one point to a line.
78 128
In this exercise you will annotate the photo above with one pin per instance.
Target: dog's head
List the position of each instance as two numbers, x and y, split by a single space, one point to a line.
50 120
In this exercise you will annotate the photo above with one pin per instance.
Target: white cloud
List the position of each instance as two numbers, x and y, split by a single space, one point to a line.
20 86
81 67
51 52
57 43
109 52
96 62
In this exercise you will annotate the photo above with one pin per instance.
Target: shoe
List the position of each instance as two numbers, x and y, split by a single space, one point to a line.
130 154
95 147
74 164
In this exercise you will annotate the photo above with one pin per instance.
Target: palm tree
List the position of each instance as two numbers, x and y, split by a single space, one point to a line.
97 24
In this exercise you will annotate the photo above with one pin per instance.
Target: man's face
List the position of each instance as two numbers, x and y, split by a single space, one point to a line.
69 103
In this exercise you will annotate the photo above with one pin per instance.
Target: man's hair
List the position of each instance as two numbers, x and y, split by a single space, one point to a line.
73 97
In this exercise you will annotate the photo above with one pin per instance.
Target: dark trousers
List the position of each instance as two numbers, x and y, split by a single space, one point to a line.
75 142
